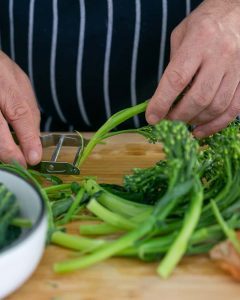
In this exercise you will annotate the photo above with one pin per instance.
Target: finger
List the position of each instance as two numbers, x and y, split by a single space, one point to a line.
176 38
25 86
176 77
9 151
222 121
19 115
31 101
220 102
200 95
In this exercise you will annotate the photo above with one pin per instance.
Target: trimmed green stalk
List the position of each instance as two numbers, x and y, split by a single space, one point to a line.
75 242
98 229
105 251
122 206
59 187
153 246
200 249
73 207
113 202
203 235
142 217
84 218
160 245
128 239
22 222
108 216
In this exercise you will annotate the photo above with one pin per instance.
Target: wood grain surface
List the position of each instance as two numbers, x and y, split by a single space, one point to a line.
195 278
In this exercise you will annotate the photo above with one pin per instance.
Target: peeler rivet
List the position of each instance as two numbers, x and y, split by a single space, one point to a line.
51 167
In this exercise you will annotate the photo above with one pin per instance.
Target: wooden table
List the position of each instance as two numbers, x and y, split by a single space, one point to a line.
195 278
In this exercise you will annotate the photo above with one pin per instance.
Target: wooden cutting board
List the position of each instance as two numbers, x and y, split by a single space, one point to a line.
195 278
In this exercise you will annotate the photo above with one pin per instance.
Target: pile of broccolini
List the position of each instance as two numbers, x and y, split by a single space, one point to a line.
183 205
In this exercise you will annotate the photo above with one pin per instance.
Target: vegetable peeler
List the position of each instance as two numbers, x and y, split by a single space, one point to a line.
59 140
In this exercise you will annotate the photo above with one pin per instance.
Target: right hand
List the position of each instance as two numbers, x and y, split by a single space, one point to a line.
18 107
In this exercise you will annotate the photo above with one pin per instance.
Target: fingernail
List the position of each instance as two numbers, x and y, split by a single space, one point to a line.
33 157
198 134
153 119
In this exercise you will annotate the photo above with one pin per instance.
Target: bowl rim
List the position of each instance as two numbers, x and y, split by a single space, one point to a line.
40 217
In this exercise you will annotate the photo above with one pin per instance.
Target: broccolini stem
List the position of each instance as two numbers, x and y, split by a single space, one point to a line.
123 206
75 242
98 229
113 202
74 206
110 217
179 246
230 234
170 199
211 233
59 187
84 218
110 134
106 251
22 222
224 192
200 249
110 124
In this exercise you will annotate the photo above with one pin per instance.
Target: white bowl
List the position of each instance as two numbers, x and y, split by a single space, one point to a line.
20 259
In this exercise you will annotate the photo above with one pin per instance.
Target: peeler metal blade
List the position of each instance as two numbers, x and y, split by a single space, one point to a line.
60 140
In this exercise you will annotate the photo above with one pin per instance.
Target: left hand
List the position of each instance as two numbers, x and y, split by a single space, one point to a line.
205 51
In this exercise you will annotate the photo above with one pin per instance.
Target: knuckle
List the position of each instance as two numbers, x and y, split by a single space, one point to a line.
177 80
207 87
226 98
229 46
216 110
200 101
10 94
218 107
16 111
208 27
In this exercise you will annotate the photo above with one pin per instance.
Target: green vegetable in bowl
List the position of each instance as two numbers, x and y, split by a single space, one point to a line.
9 209
10 222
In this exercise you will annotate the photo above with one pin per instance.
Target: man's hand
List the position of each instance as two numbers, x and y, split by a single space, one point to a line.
205 51
18 107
